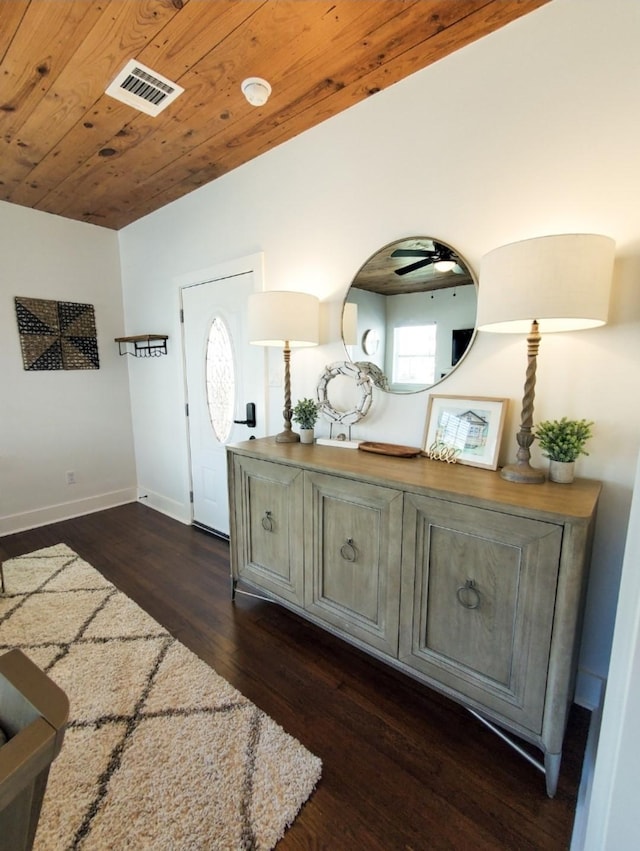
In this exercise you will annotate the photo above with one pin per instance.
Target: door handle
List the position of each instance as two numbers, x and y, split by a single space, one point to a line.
251 416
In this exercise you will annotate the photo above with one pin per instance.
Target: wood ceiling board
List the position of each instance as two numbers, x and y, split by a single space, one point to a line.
12 15
321 58
208 161
357 56
119 33
165 137
172 134
200 27
110 124
216 82
50 42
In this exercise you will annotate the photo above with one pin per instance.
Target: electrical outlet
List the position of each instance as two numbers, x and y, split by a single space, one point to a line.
71 477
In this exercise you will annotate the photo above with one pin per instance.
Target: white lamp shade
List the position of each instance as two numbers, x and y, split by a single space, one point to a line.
561 281
350 323
277 317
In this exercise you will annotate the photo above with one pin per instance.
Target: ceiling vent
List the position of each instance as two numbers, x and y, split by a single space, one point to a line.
143 89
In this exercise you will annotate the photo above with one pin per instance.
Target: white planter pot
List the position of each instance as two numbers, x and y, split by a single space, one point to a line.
306 435
562 471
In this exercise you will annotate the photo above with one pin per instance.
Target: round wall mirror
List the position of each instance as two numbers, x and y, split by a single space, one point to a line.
411 312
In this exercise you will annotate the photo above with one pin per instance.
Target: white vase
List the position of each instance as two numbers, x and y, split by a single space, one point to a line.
306 435
562 471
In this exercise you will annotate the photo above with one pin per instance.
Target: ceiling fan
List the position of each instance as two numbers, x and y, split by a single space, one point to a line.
441 256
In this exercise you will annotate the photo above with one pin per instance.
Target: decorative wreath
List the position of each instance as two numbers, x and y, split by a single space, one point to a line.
363 383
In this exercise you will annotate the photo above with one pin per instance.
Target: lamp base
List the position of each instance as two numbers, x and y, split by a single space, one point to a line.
288 436
523 473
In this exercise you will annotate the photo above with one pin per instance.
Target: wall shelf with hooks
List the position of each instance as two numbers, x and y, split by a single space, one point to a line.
143 345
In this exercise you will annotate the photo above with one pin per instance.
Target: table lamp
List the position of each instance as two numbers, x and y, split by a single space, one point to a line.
289 320
546 284
350 323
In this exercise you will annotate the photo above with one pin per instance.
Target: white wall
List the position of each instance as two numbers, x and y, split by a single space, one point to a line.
530 131
52 422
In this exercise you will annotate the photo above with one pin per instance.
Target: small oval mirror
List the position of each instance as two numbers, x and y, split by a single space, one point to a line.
411 312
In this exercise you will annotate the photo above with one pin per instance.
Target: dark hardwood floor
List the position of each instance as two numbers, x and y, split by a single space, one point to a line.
404 768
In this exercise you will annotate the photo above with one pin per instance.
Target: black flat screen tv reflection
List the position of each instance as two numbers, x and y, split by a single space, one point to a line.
460 339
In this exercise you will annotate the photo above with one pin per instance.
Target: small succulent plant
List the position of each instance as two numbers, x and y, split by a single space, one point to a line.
563 440
305 413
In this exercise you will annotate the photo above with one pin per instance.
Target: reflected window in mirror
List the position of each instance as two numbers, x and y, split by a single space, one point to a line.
417 282
414 356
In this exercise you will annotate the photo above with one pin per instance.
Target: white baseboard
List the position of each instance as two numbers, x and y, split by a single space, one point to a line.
175 510
589 690
64 511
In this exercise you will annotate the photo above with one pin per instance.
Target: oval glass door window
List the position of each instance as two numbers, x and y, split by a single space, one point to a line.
221 379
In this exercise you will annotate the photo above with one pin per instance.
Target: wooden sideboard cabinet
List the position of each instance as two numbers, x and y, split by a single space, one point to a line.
469 583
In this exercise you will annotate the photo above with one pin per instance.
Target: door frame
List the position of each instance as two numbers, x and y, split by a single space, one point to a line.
253 263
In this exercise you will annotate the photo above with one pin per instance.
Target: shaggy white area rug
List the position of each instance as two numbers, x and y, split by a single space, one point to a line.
160 752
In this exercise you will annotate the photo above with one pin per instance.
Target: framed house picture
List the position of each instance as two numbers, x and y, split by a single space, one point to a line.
470 428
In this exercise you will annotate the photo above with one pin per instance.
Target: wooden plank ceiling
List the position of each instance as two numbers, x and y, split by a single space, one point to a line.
70 149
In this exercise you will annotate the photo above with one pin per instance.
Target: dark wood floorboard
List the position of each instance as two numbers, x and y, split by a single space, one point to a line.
404 769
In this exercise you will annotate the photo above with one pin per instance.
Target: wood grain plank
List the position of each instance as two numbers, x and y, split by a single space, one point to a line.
69 149
50 40
118 33
311 35
292 113
312 42
118 127
212 101
12 17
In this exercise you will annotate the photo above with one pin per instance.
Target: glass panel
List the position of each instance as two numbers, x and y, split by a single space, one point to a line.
221 384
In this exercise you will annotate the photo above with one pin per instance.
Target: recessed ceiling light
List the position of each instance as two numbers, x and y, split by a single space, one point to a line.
256 90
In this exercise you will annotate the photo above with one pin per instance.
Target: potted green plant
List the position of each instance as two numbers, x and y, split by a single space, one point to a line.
562 441
305 413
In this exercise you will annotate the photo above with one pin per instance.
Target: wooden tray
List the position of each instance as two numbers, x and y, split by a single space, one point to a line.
390 449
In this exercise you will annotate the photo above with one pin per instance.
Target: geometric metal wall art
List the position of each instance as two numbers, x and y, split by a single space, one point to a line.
57 334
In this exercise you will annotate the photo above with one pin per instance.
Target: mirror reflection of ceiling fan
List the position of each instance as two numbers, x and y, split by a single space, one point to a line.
441 256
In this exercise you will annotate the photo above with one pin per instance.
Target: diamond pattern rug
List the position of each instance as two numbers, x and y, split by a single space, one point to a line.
160 752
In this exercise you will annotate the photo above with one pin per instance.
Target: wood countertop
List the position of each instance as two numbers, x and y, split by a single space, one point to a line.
574 502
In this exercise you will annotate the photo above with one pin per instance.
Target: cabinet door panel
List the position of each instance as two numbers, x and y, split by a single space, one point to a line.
479 589
352 535
268 506
472 596
350 556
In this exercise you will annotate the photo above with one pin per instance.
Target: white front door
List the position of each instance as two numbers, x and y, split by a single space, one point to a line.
223 373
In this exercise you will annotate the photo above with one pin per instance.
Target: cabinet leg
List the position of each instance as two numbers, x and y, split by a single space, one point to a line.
551 767
234 583
552 771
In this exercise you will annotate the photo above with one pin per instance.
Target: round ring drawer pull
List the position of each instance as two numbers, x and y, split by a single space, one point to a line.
267 522
348 550
468 595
